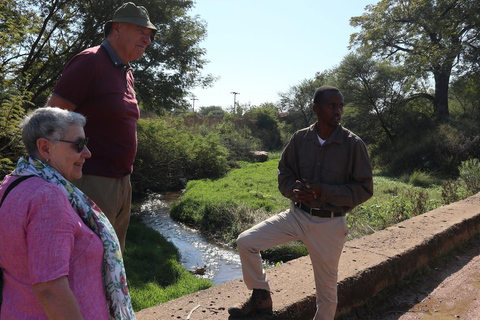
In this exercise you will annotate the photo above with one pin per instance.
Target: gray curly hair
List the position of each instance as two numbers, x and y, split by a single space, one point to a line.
48 122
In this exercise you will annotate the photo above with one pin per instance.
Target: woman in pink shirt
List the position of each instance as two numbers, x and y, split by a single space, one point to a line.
59 254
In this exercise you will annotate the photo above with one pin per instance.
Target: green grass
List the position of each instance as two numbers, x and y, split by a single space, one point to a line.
154 273
225 207
393 201
250 185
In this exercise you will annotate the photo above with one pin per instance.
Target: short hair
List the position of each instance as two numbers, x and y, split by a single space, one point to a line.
49 123
321 91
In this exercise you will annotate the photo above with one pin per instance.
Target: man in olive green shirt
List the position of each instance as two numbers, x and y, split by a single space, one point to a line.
325 171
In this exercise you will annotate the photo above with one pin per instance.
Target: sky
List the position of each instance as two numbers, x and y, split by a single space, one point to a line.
259 48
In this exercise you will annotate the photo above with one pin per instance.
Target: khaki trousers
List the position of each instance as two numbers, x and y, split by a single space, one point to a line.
114 197
324 239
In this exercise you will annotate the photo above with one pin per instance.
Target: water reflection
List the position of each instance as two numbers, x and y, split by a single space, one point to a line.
221 264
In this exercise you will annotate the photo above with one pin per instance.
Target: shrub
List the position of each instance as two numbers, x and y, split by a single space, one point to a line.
373 216
420 179
470 174
265 126
440 149
450 192
238 140
168 155
11 145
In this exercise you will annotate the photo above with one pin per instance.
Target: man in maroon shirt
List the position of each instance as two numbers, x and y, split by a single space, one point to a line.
98 83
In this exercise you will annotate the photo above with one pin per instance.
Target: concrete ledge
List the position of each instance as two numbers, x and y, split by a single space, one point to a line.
367 266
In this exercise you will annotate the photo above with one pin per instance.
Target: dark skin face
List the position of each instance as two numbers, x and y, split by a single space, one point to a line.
329 113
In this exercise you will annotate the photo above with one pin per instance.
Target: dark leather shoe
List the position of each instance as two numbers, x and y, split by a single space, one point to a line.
259 303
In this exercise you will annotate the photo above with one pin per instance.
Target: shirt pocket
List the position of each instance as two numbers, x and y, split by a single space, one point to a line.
334 172
307 168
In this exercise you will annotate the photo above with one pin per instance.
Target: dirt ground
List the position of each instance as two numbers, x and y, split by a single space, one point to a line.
448 289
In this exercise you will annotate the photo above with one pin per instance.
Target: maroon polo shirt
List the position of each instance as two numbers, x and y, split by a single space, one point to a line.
102 89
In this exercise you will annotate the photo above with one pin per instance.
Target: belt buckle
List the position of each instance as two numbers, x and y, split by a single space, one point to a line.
314 209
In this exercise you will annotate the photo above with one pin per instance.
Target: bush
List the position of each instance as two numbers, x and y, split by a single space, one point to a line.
421 179
470 174
402 205
168 155
440 149
265 126
450 192
238 140
11 145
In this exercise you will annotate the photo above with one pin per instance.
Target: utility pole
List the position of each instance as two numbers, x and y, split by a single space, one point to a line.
193 102
234 100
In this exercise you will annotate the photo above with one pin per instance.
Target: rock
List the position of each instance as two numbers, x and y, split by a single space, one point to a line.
260 156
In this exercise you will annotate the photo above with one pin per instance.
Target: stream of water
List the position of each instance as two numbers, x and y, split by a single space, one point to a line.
220 264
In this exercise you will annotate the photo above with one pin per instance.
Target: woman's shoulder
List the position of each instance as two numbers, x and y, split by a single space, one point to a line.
31 189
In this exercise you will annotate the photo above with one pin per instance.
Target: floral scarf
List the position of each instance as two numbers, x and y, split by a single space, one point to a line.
113 271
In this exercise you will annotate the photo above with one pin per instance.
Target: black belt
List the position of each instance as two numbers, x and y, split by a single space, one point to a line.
318 212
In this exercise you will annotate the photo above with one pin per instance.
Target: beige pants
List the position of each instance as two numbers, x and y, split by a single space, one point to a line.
114 197
324 239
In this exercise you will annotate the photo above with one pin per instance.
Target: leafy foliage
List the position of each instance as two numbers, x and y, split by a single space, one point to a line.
427 36
421 179
169 155
11 146
377 91
298 102
237 138
470 174
265 126
40 37
465 91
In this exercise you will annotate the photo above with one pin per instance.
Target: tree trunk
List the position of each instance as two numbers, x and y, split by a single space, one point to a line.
440 100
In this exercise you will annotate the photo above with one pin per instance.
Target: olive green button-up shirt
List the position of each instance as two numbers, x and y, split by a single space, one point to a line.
341 165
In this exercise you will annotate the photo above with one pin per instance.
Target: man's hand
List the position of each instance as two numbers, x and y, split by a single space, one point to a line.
307 190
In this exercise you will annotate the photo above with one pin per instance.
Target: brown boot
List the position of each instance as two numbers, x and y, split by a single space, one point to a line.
259 303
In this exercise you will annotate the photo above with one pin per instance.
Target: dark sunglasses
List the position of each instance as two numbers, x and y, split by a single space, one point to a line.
79 145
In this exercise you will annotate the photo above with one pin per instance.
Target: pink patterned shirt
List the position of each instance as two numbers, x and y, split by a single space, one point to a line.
42 239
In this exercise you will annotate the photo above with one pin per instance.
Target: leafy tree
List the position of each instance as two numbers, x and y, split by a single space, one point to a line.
297 101
265 126
466 91
11 146
431 37
212 111
12 29
377 90
48 34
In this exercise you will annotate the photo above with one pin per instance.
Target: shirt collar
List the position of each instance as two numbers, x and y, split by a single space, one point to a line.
113 56
335 136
